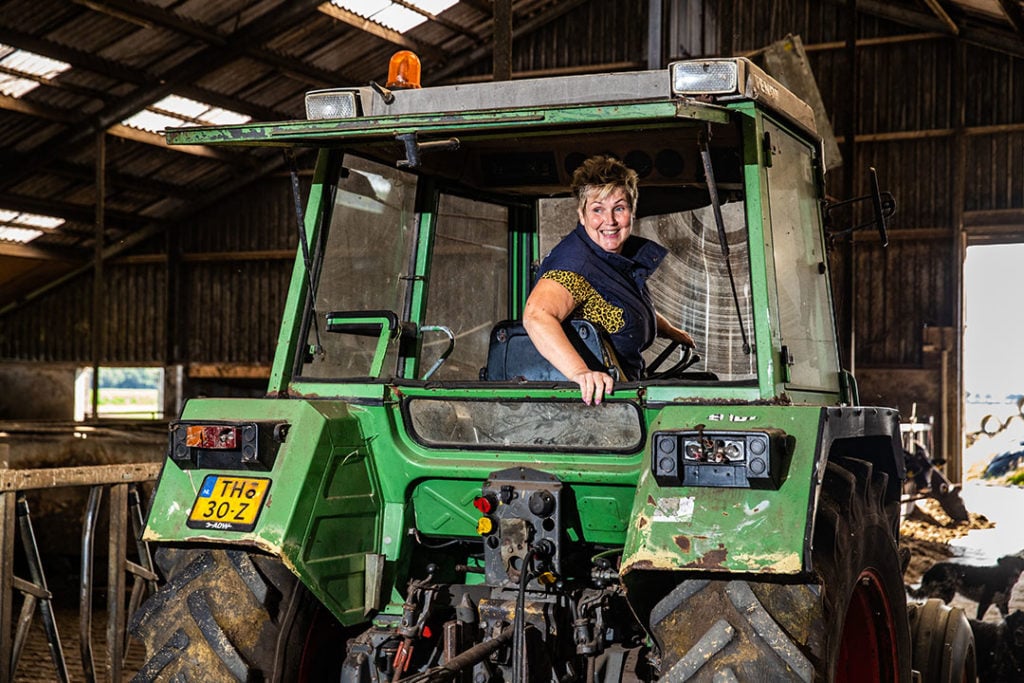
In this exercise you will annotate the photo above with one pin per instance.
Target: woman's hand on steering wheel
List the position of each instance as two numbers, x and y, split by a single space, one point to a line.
687 359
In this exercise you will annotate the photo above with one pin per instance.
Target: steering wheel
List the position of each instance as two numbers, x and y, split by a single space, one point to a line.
677 369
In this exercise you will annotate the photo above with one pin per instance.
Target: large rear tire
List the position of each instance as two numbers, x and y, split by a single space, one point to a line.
226 615
849 627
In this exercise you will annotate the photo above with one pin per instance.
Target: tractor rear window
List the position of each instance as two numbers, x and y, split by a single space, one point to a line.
525 425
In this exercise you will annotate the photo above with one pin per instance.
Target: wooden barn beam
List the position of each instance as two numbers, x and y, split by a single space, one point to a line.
501 62
80 213
166 19
80 59
157 140
1014 12
554 12
251 36
39 111
1006 42
154 228
30 251
380 31
942 16
950 420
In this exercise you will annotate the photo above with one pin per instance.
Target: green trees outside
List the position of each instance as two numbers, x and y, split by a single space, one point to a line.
130 378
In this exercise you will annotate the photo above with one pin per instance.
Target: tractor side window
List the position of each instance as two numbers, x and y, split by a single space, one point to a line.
805 305
363 266
468 287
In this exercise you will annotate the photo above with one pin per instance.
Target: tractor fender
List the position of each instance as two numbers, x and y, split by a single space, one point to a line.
321 512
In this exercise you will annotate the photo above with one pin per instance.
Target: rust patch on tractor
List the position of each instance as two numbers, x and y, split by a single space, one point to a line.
683 542
650 500
641 523
712 559
643 564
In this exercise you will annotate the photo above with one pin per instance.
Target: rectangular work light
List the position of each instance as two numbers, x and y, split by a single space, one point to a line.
737 78
707 77
333 103
733 459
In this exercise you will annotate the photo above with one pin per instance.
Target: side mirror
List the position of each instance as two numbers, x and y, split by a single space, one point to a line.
883 207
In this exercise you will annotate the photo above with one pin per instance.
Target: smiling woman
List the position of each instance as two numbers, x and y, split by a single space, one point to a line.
599 273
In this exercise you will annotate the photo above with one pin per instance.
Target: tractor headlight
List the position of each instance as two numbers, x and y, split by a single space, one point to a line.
703 458
706 77
333 103
729 79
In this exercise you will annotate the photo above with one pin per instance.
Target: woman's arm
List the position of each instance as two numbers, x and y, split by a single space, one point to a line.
548 305
670 331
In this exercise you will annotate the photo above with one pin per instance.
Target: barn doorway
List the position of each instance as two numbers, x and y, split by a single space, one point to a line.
993 364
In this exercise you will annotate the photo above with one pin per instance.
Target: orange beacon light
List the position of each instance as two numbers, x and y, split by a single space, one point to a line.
404 70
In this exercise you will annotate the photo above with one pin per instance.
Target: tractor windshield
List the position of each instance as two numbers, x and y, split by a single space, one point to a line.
410 273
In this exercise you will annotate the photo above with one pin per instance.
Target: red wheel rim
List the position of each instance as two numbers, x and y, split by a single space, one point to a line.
319 655
867 652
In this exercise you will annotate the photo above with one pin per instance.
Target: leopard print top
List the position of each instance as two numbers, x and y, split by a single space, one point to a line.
588 304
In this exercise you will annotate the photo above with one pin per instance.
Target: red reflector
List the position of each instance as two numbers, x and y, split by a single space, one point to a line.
483 504
210 436
427 632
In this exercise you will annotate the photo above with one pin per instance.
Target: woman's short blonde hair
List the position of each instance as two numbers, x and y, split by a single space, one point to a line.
599 176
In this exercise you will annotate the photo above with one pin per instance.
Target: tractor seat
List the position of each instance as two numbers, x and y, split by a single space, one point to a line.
513 357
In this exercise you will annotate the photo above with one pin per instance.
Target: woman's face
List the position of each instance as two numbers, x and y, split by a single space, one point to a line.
608 221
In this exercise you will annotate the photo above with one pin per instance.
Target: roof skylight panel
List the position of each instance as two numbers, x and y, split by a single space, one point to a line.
223 117
152 121
36 220
392 15
16 226
15 86
21 235
175 111
31 64
23 70
398 18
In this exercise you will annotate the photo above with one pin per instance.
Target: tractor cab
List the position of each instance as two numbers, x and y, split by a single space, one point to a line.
431 213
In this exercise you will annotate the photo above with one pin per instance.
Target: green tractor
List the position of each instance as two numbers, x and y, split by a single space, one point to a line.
419 498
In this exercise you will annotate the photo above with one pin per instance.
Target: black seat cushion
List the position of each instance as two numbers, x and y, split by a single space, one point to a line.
512 355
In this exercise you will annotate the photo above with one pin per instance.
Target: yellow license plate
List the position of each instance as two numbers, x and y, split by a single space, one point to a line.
228 503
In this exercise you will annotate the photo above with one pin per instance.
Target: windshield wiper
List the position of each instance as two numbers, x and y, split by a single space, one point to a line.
716 205
307 262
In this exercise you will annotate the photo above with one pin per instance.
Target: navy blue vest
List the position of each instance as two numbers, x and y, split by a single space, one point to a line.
621 279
